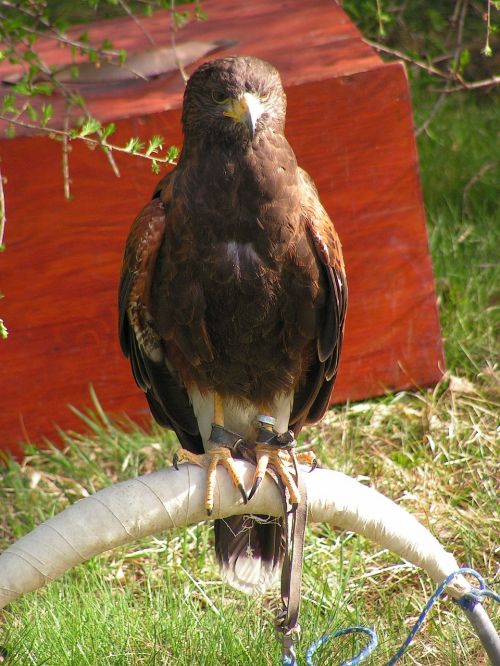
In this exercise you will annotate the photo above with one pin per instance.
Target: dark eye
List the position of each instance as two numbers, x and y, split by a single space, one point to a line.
219 97
264 97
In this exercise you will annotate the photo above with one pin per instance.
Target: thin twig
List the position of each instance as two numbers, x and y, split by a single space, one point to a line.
93 142
56 34
381 29
475 85
488 166
3 217
455 77
432 114
138 23
113 63
68 95
462 9
407 58
458 15
173 30
65 154
487 48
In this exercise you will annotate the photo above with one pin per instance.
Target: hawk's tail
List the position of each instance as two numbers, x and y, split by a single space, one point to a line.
250 551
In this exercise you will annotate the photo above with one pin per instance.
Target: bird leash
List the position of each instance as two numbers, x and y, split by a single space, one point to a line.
287 624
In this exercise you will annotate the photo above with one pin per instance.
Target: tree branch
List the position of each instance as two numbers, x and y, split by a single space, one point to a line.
3 218
138 23
103 143
453 77
488 166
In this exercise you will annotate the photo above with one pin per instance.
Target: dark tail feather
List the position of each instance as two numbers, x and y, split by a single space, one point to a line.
250 551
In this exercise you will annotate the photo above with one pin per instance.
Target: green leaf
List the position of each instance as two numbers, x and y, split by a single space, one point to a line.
122 55
180 19
108 130
74 72
30 56
9 104
61 25
133 145
155 167
47 111
464 60
22 87
155 144
33 114
90 126
199 13
76 100
42 89
4 333
172 153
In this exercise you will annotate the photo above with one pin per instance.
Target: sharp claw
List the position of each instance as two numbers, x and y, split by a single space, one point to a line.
209 512
175 461
314 464
295 506
243 492
256 484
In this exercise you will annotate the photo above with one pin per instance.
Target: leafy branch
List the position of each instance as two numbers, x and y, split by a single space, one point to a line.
451 75
29 101
430 36
91 126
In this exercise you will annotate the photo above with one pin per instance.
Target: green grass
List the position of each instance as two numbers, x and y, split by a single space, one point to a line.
464 230
160 601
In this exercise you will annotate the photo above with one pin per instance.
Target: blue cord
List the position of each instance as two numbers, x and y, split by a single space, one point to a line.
469 600
361 656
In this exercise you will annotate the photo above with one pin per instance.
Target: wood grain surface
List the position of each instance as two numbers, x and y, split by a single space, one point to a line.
350 124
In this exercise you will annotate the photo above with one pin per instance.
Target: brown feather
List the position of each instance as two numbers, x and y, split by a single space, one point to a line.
233 279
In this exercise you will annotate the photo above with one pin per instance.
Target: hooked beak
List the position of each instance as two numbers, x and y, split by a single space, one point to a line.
246 110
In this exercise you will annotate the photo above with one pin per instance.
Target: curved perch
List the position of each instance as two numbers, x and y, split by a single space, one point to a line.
155 502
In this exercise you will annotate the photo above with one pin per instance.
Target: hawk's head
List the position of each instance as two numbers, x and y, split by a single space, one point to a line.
232 99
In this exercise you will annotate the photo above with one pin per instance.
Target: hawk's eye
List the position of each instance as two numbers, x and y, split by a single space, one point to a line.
264 97
219 97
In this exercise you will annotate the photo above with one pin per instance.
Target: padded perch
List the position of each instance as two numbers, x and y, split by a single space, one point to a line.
168 498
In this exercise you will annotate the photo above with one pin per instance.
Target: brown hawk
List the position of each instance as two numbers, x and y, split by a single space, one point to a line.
233 296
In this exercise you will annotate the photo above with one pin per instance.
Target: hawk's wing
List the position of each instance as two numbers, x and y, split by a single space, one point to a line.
313 396
139 340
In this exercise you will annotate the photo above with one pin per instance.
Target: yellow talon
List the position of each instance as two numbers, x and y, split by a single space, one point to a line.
217 456
281 460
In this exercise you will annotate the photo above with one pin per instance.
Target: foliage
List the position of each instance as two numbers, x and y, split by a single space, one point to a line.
21 28
28 103
454 40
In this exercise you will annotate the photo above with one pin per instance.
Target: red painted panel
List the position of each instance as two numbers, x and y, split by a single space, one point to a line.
353 133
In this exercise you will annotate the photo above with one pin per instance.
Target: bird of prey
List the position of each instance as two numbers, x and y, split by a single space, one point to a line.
232 299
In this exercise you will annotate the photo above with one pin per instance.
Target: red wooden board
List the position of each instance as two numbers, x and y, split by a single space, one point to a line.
351 127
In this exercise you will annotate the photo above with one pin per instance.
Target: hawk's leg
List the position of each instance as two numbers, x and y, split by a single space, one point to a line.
220 445
276 451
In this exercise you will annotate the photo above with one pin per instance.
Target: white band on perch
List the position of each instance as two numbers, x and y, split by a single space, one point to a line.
156 502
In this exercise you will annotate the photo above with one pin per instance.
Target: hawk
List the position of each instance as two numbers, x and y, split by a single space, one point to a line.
232 299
